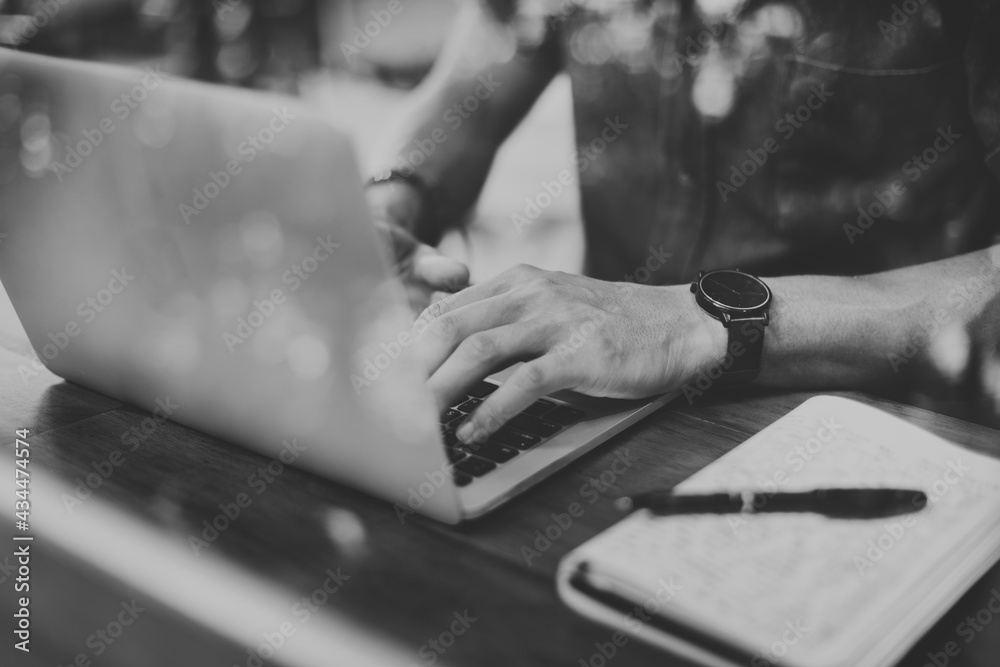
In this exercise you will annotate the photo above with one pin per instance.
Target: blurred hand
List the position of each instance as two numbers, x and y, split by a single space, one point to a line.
423 270
617 340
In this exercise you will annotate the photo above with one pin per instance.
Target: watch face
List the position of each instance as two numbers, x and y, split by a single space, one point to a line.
734 289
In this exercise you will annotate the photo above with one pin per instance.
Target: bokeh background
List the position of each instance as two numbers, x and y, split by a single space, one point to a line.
295 47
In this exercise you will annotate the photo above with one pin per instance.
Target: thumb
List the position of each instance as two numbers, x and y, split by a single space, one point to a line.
439 272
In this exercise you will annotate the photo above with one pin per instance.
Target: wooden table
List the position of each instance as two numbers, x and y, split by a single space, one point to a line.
399 585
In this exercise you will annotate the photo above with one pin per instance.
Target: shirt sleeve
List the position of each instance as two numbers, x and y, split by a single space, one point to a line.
982 62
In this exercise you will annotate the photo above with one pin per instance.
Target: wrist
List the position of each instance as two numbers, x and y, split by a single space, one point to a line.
694 340
396 203
712 336
834 331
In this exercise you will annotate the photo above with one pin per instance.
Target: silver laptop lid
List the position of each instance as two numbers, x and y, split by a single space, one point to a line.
208 248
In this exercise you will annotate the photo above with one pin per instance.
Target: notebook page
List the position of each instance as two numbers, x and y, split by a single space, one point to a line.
758 579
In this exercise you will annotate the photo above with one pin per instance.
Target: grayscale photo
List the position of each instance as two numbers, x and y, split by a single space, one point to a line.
500 333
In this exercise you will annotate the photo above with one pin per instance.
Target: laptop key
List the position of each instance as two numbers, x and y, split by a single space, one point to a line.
470 405
461 479
511 438
482 389
449 437
539 408
455 455
494 451
534 425
564 415
475 466
450 415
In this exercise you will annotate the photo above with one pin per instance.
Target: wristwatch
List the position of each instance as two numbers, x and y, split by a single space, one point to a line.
741 302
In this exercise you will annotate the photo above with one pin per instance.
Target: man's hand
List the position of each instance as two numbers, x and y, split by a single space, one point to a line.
423 270
616 340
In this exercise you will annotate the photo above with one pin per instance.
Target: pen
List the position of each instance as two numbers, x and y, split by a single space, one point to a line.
838 503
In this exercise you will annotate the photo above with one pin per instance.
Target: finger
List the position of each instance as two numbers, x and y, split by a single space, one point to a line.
439 296
534 379
483 353
417 296
439 272
500 284
401 243
436 337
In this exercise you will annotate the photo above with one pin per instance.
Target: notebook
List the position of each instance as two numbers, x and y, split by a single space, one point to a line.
799 588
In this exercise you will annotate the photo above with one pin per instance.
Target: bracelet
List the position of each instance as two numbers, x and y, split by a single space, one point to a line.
430 194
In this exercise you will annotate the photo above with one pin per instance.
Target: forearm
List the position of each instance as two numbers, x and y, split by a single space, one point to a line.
866 332
462 114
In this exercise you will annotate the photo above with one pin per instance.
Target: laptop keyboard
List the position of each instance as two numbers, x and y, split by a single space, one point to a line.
534 425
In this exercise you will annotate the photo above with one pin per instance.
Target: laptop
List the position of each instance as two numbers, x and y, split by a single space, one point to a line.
206 253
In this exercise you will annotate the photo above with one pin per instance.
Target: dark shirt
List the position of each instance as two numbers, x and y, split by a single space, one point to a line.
805 136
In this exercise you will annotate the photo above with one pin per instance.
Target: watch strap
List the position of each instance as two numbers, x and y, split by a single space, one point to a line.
744 350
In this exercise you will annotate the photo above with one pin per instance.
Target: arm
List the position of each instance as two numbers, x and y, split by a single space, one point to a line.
625 340
875 331
479 91
477 94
